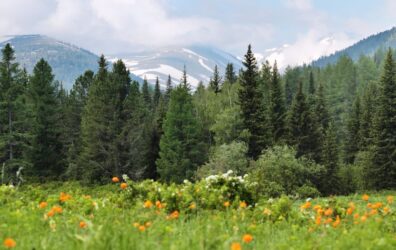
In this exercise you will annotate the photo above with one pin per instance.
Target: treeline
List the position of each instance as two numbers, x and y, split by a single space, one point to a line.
317 130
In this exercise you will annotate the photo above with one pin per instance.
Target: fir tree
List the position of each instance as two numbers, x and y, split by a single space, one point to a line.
157 93
383 170
353 127
369 100
321 111
168 89
251 101
215 81
146 93
230 75
180 148
46 147
265 82
277 110
330 157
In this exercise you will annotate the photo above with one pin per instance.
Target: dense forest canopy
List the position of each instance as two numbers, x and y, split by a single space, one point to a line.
332 128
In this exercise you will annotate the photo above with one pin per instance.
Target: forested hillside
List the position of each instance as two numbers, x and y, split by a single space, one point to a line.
309 131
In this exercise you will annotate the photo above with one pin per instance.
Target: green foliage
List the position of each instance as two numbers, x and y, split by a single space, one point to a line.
278 172
224 158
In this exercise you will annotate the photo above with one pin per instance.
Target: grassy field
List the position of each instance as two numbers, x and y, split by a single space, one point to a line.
68 216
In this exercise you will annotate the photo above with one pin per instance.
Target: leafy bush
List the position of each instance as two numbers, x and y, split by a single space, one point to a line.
226 157
278 172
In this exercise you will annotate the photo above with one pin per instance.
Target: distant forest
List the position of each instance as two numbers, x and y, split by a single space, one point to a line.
329 130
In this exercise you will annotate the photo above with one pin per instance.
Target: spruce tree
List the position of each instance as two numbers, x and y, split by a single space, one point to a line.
157 93
353 128
146 94
168 89
46 146
251 102
180 148
321 110
277 110
230 75
215 81
383 169
265 82
302 130
330 158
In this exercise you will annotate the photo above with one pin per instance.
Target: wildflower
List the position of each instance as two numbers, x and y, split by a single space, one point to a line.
192 206
43 204
142 228
83 224
135 224
317 207
365 197
115 179
148 224
306 205
349 211
267 212
159 205
328 221
389 199
328 212
377 205
9 243
320 211
242 204
236 246
386 210
57 209
226 204
363 218
369 205
318 220
356 216
51 213
63 197
337 222
373 212
123 185
247 238
174 215
147 204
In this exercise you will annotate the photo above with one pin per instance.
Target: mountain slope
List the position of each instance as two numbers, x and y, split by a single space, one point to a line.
367 46
67 61
199 62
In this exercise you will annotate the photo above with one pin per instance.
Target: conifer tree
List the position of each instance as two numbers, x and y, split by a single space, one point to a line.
277 107
330 158
321 110
369 100
146 94
230 75
265 82
311 86
46 146
215 81
157 93
180 148
353 127
168 89
251 101
383 169
302 131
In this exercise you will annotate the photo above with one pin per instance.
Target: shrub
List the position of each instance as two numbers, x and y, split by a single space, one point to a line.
278 172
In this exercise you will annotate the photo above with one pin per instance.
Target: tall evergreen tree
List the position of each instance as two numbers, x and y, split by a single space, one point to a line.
46 146
311 86
215 81
330 158
302 131
383 170
230 75
180 148
353 127
321 110
265 82
157 93
251 101
277 107
146 93
168 89
369 100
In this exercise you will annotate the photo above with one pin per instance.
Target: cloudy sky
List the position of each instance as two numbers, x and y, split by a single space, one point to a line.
114 26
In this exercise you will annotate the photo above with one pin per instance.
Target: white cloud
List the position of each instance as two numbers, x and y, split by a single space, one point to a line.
299 4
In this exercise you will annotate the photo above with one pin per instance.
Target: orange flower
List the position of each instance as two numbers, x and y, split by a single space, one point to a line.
386 210
51 213
328 221
63 197
115 179
247 238
147 204
356 216
236 246
377 205
389 199
123 185
159 205
9 243
328 212
242 204
226 204
319 211
192 206
57 209
83 224
337 222
373 212
363 218
267 212
318 220
365 197
317 207
174 215
306 205
142 228
43 204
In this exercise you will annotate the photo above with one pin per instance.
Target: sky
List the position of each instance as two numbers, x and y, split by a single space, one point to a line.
305 29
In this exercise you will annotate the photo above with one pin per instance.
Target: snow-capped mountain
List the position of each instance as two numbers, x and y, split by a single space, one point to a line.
198 60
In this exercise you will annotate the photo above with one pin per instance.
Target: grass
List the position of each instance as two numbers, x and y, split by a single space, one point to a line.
112 222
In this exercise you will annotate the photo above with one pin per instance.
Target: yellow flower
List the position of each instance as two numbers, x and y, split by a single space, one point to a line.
267 212
135 224
192 206
365 197
226 204
147 204
242 204
363 218
236 246
247 238
9 243
389 199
